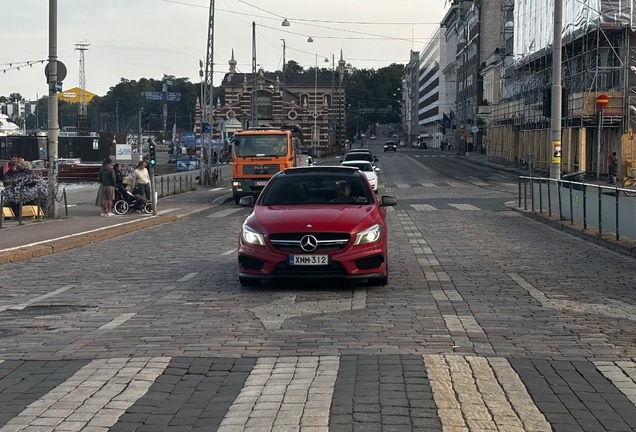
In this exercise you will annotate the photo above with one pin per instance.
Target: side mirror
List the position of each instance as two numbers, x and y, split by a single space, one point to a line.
377 169
341 160
388 200
246 201
376 160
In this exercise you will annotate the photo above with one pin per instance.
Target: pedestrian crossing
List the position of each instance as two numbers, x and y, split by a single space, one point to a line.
428 207
317 393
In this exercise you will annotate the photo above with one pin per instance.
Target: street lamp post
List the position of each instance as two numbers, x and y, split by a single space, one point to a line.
317 135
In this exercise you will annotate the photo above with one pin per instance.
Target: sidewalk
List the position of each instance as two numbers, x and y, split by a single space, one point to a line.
84 224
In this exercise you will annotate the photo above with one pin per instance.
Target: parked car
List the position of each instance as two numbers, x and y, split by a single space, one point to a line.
390 146
315 222
368 170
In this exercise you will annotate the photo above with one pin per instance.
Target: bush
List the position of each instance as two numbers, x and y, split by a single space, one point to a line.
34 188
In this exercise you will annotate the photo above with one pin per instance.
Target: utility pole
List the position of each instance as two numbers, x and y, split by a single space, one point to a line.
139 134
253 102
53 126
316 139
555 129
209 96
283 120
117 114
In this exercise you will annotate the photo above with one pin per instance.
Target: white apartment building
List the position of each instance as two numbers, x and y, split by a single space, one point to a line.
431 99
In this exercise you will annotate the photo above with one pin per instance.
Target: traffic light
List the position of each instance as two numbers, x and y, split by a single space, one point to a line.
153 155
145 119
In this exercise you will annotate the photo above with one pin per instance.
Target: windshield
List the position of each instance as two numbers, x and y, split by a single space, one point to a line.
260 145
324 189
359 156
362 166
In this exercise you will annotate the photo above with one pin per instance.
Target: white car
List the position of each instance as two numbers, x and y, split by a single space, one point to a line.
368 170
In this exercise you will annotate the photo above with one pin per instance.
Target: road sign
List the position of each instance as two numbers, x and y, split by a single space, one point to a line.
58 86
207 128
474 129
330 130
462 130
602 101
61 71
157 96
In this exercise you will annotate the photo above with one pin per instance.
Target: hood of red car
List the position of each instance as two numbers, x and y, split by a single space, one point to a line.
318 218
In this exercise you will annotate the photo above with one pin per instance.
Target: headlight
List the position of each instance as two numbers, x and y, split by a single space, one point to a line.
251 236
235 183
369 235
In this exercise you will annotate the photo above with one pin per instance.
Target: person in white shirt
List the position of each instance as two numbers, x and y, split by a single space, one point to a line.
141 180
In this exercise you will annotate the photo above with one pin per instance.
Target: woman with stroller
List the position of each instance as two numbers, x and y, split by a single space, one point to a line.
141 181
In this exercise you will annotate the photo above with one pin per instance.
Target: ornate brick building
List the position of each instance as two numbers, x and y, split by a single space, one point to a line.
314 103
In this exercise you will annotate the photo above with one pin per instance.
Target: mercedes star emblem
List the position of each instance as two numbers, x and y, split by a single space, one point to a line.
308 243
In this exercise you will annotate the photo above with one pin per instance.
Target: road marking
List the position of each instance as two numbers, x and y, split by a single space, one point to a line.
429 184
454 183
285 393
36 299
403 185
622 374
466 207
230 252
187 277
459 383
216 189
274 314
93 398
168 210
116 322
224 213
614 308
423 207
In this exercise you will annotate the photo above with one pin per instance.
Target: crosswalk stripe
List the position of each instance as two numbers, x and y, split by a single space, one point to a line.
94 397
403 185
458 384
454 183
622 374
423 207
428 184
224 213
287 393
464 207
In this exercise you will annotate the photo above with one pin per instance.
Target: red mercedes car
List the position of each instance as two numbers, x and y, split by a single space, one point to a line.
315 222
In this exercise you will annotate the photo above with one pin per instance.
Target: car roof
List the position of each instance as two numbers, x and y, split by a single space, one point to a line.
357 161
360 150
321 169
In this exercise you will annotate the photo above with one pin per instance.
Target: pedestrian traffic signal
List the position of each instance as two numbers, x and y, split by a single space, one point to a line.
153 155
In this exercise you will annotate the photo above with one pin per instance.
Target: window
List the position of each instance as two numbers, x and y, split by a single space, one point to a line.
264 108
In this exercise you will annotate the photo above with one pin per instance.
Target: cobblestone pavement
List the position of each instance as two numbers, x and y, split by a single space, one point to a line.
490 322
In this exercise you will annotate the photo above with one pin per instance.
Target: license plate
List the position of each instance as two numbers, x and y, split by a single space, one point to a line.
309 260
261 183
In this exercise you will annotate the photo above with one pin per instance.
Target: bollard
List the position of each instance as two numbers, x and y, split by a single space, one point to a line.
540 197
180 184
532 193
571 207
519 184
560 202
1 208
20 207
37 216
600 213
549 200
525 193
584 206
618 237
65 202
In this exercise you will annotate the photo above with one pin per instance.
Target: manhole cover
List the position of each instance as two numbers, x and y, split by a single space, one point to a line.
43 310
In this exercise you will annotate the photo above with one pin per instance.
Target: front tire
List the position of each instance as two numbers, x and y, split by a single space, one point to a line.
249 282
237 199
121 207
631 185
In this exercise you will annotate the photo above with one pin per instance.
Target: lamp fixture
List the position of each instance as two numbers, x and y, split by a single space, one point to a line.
310 39
285 23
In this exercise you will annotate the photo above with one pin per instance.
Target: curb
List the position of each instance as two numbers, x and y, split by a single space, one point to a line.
607 240
83 239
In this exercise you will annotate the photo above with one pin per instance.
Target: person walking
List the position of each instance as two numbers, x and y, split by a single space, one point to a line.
612 168
107 180
141 180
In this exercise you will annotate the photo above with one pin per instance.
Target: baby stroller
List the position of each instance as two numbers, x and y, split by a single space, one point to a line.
128 202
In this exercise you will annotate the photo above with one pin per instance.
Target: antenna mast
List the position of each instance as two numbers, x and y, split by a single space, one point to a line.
81 47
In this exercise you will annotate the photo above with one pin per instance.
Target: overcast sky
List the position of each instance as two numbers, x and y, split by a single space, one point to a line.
136 39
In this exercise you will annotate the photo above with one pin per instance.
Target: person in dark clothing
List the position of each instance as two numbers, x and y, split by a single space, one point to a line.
108 181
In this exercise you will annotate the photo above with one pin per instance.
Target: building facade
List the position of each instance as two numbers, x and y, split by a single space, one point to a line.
314 103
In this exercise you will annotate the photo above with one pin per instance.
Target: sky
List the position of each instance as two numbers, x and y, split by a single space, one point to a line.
135 39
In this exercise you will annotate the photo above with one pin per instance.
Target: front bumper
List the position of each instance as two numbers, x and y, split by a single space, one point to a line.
359 262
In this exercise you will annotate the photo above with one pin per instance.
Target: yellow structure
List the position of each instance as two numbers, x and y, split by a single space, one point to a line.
73 95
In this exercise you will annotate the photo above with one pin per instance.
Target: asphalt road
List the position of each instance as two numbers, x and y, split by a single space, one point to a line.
490 321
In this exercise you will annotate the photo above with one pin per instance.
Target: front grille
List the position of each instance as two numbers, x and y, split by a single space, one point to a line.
333 269
260 169
327 242
251 263
370 262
